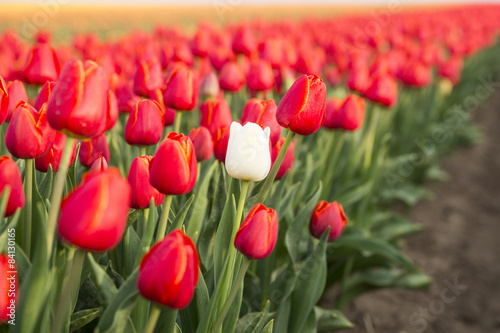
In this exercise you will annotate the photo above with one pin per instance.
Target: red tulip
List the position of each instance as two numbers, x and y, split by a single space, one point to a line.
168 273
53 157
145 124
10 176
126 97
201 43
328 215
203 143
358 79
332 110
91 150
333 76
112 111
215 114
148 77
42 65
383 90
416 74
221 140
262 113
451 68
9 288
302 108
168 113
260 76
244 41
44 95
94 215
287 162
78 105
29 134
349 116
100 164
258 233
231 77
174 168
4 100
142 190
17 93
181 92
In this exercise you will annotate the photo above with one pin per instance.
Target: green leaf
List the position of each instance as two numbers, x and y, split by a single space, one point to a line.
269 327
191 315
133 216
101 279
253 322
368 247
331 320
200 205
295 231
83 317
309 286
116 316
224 232
130 247
22 262
45 186
181 215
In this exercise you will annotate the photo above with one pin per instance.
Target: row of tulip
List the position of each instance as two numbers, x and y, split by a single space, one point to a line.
183 221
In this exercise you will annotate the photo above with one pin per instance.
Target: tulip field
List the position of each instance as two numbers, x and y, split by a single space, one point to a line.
223 178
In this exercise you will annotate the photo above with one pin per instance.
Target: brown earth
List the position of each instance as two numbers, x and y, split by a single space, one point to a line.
460 245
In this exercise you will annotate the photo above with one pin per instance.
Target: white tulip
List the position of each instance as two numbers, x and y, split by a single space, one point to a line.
248 156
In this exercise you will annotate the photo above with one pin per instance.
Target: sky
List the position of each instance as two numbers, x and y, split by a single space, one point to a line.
242 2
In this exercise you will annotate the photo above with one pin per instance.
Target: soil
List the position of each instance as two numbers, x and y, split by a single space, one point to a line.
459 248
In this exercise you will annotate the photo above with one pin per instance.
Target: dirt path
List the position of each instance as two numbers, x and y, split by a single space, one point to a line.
459 247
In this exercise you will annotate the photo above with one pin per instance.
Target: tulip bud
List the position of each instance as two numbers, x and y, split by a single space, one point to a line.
4 101
221 140
383 90
181 92
44 95
260 76
331 113
168 113
145 124
148 77
215 114
91 150
42 65
258 233
328 215
203 143
350 115
302 108
29 134
111 111
78 105
358 79
17 93
8 288
231 77
100 164
451 68
262 113
244 41
94 215
168 273
209 87
248 155
416 74
125 96
10 176
174 168
142 190
287 162
53 157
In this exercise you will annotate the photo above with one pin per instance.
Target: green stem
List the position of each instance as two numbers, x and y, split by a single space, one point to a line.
270 178
74 266
241 205
178 119
57 192
162 228
234 290
153 318
142 151
371 139
28 207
